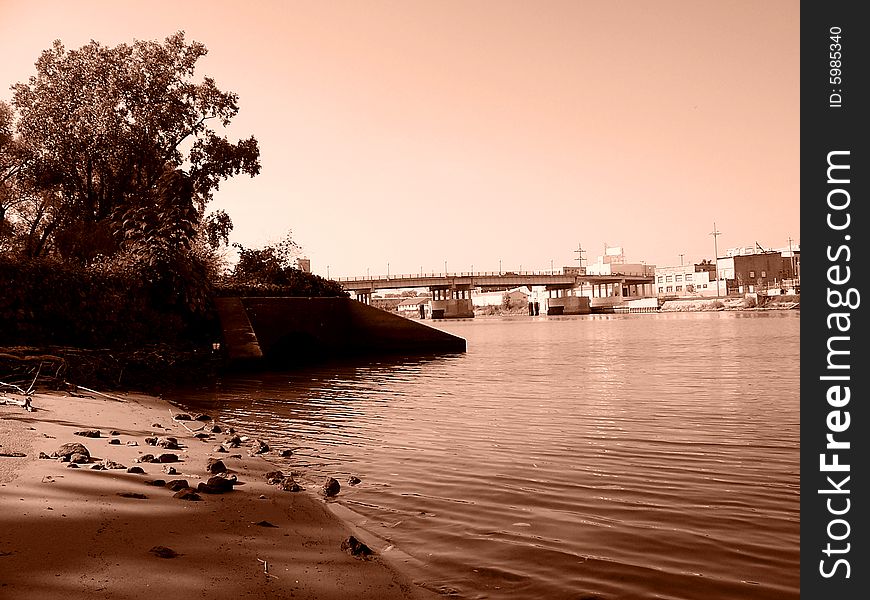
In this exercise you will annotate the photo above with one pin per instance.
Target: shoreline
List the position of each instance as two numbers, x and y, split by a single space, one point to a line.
86 533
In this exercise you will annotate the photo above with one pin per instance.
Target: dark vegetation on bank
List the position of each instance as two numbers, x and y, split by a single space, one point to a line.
109 258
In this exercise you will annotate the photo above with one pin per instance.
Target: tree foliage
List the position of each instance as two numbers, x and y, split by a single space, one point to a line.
106 125
272 270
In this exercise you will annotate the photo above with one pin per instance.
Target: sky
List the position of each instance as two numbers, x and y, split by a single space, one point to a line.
403 136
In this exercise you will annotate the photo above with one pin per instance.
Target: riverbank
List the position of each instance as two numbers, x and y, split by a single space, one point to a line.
106 532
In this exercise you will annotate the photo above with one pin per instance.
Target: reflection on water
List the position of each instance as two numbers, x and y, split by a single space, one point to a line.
623 456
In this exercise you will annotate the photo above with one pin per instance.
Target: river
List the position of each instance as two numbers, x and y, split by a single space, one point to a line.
599 456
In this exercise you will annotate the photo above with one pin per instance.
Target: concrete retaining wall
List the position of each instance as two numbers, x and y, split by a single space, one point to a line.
311 328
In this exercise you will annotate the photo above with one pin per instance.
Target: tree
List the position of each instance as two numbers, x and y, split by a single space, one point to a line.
272 269
14 157
110 129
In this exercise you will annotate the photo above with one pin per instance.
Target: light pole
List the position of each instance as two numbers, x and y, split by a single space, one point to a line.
681 259
716 233
388 270
499 266
327 271
445 268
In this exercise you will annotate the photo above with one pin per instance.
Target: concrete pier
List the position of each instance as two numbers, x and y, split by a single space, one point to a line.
302 329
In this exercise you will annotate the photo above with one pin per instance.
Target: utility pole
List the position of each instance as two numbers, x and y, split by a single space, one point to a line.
327 271
791 256
580 251
681 259
716 233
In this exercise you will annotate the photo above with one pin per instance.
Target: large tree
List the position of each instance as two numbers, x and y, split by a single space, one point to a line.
122 145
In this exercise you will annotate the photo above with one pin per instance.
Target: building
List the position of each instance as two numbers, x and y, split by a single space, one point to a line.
755 273
692 280
517 297
612 262
415 307
750 269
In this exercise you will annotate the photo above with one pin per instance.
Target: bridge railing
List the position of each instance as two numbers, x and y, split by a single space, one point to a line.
443 275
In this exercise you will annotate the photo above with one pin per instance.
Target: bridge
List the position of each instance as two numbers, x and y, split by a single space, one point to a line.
451 292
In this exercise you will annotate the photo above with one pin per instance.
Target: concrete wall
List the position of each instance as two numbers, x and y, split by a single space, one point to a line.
309 328
569 305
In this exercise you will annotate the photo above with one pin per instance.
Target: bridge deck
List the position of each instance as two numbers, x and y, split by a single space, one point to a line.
504 280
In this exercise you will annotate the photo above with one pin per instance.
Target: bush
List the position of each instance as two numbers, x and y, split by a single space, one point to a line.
44 301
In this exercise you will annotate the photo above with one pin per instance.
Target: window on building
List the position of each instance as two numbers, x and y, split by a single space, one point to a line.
752 273
679 278
661 279
670 288
764 273
689 277
669 278
679 288
704 285
661 290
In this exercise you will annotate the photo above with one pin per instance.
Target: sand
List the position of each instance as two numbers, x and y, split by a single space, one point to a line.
69 533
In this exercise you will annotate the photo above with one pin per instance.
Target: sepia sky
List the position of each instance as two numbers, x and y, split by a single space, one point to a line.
414 132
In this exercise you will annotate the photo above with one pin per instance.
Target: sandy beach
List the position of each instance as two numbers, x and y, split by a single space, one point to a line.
89 533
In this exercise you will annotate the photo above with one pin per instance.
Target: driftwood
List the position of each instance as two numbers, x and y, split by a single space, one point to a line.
28 393
109 396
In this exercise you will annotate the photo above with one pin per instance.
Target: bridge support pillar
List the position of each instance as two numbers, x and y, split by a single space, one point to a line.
452 302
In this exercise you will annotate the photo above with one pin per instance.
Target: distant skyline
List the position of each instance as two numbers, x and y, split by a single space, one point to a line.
411 133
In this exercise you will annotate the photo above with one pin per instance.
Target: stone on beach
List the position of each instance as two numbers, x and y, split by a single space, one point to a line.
137 470
177 484
274 477
146 458
89 433
356 547
187 494
216 485
353 480
259 447
182 417
115 441
167 457
331 487
215 465
67 451
265 524
288 484
169 443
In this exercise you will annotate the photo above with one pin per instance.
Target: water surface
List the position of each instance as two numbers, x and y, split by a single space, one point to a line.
618 456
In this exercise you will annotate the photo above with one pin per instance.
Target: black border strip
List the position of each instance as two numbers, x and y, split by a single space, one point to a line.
833 275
